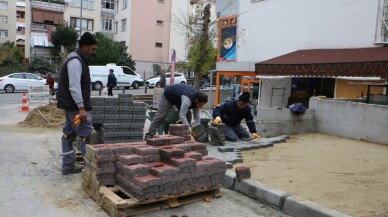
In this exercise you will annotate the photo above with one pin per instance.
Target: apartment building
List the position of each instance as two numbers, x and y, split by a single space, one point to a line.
12 21
145 27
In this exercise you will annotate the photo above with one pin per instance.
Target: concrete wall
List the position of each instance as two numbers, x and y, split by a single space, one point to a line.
345 118
353 120
273 28
281 121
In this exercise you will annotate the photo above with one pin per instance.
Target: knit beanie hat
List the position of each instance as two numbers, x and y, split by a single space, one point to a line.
87 39
244 97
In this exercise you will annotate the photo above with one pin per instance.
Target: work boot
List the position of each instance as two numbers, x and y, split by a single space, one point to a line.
148 136
75 169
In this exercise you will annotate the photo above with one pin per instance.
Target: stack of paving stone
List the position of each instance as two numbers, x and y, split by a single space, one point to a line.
181 130
99 167
205 124
122 119
217 135
200 132
164 165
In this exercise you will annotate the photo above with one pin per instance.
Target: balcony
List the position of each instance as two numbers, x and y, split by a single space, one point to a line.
49 5
62 2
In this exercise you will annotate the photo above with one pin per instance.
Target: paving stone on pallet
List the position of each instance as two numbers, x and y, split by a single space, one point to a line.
96 150
152 158
133 170
195 155
180 162
171 152
98 101
98 119
145 150
111 101
130 159
124 96
147 180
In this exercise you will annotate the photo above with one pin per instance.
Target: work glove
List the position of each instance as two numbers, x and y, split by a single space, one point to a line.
193 134
255 136
216 121
77 120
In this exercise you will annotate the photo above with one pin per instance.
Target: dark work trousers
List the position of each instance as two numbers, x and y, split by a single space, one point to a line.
235 132
83 131
164 107
110 91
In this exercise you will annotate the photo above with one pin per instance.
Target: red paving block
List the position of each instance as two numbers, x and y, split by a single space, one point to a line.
145 150
195 155
148 180
163 170
185 147
157 141
202 152
243 173
181 162
171 152
175 139
214 161
151 158
130 159
133 170
123 149
154 164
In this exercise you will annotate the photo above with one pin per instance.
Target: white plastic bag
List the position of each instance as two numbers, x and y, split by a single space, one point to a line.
105 91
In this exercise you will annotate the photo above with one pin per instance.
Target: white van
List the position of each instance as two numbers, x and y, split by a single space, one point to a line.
125 76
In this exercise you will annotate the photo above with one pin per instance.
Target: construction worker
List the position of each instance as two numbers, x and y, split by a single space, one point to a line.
184 97
74 96
231 113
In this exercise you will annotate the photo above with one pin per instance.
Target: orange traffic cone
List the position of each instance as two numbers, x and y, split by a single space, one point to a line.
25 107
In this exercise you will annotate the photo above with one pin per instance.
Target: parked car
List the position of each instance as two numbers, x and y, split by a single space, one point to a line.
21 81
125 76
179 78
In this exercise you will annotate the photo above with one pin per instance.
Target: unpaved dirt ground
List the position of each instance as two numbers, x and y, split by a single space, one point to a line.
342 174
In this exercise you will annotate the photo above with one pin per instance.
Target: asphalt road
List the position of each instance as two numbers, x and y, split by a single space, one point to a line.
31 183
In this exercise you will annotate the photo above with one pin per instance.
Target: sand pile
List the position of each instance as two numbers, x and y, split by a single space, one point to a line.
46 116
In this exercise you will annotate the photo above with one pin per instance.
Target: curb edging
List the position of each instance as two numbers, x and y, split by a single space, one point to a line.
279 199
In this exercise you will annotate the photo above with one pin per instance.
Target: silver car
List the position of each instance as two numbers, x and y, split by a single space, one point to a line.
20 81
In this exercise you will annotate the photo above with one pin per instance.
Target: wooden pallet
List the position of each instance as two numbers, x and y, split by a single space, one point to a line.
119 203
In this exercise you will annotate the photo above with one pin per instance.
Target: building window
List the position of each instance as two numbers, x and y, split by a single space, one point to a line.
87 4
3 5
160 1
3 19
108 4
3 33
159 22
124 24
384 25
87 24
106 24
125 4
158 44
116 27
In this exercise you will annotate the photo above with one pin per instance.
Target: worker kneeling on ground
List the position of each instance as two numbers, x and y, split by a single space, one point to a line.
231 113
184 98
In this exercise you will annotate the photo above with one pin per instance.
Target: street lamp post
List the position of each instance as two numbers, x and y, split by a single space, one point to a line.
80 21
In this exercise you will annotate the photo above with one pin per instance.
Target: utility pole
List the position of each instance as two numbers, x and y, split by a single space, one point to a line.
80 21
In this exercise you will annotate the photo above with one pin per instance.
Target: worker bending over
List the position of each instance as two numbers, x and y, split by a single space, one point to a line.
231 113
184 98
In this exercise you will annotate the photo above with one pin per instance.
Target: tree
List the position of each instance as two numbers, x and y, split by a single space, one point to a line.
156 68
107 51
202 58
10 54
202 51
125 58
65 36
38 64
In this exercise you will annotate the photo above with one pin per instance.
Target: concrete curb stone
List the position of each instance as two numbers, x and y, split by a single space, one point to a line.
303 208
278 199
